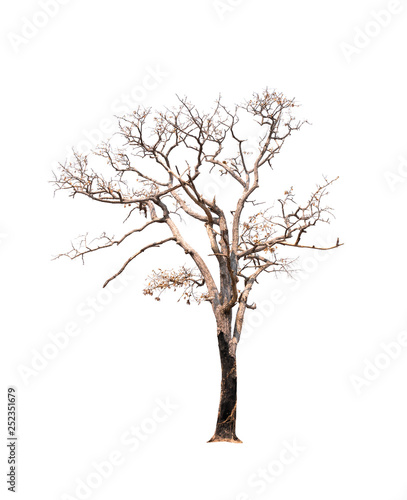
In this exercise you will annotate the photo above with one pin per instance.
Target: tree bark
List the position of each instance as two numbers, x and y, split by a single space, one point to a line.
226 423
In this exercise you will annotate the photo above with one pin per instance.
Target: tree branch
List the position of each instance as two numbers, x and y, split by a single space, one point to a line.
151 245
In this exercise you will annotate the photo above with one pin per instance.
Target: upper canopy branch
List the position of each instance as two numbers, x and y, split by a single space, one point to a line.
264 230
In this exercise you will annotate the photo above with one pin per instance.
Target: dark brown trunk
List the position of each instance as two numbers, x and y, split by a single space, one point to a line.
226 423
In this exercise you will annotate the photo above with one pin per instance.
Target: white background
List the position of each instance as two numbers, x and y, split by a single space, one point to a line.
295 366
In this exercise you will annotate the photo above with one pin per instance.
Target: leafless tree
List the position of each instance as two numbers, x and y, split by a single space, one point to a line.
145 157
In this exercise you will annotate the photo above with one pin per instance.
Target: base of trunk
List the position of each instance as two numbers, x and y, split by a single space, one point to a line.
226 422
224 439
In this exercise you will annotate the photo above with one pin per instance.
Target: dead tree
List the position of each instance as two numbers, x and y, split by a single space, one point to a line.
159 161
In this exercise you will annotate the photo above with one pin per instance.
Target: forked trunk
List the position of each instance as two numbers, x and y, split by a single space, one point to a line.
226 423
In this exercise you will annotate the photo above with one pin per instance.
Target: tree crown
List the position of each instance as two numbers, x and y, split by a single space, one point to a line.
159 161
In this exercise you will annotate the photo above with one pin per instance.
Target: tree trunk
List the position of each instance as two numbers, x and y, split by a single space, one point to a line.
226 423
